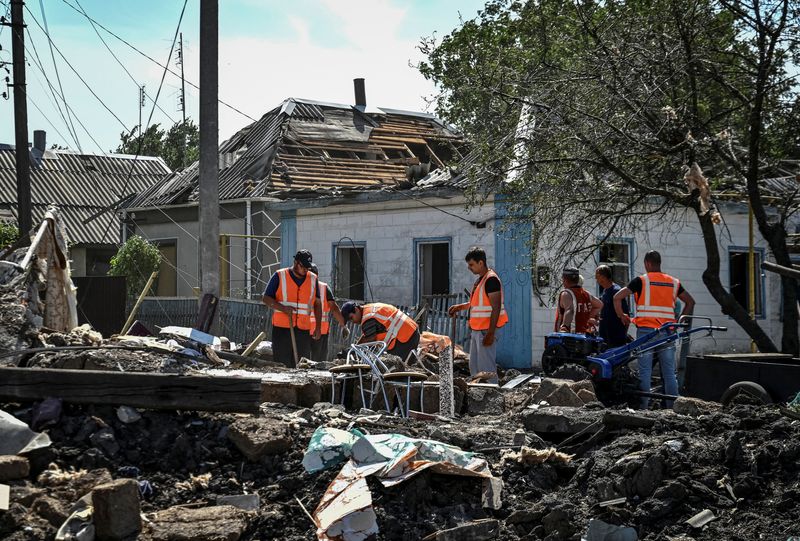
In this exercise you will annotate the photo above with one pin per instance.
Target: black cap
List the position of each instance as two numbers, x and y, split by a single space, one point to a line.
348 308
304 258
571 272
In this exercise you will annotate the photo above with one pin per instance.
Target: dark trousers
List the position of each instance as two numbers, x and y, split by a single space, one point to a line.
402 349
319 349
282 345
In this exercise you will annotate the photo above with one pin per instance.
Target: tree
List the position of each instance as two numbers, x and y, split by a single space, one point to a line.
600 108
9 233
137 259
178 146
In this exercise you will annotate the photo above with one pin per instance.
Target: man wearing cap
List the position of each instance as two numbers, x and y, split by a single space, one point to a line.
385 323
487 314
319 347
577 309
293 295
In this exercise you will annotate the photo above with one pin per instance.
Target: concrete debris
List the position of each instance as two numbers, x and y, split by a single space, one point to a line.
216 523
484 400
559 420
116 510
246 502
258 437
14 467
685 405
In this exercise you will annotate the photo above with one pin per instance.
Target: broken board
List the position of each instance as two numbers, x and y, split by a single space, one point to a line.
136 389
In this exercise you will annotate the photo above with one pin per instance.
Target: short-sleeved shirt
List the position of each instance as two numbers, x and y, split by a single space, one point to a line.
275 282
611 328
636 286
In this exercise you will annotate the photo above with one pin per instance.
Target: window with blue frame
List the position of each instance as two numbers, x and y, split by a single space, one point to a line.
739 282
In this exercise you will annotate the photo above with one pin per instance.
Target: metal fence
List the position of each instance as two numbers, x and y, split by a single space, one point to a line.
241 320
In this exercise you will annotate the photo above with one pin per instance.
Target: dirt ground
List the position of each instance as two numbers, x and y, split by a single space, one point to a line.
741 464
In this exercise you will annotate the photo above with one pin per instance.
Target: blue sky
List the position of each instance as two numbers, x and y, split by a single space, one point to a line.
269 50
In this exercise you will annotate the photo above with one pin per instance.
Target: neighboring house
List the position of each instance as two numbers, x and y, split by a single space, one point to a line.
83 186
377 198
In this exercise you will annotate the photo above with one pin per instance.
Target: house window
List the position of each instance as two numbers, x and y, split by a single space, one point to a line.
349 272
617 255
167 283
739 285
433 268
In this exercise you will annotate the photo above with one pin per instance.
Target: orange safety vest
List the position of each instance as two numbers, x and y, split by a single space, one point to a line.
582 302
301 298
480 309
398 325
326 314
655 304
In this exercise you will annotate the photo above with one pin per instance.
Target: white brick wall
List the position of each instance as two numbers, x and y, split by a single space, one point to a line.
389 230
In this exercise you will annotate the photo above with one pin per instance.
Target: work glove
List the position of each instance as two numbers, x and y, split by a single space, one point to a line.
345 333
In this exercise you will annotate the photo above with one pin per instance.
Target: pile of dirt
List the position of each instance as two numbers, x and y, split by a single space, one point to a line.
741 465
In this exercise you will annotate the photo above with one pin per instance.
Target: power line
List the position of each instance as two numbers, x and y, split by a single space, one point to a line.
50 39
151 59
149 118
39 64
120 62
58 76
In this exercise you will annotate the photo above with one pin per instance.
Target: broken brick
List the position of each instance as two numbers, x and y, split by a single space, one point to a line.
14 467
261 436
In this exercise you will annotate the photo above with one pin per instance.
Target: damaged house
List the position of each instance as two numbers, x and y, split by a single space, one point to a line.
84 186
378 198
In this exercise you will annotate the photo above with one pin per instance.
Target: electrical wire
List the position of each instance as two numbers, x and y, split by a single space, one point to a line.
149 118
37 61
71 126
132 78
87 85
151 59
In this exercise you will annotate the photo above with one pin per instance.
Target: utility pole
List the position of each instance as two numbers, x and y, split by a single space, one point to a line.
24 218
183 80
209 143
141 106
182 100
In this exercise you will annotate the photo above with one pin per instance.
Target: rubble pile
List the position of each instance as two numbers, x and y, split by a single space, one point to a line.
245 474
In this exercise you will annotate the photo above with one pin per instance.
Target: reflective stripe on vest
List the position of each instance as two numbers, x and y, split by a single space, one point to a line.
326 314
300 298
480 307
655 304
398 325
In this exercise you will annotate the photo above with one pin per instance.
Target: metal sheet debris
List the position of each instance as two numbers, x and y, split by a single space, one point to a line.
701 519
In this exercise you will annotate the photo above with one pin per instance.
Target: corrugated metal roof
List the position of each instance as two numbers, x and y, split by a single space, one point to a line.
81 185
304 145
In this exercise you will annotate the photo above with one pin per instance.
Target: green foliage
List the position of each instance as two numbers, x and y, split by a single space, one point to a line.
9 233
137 259
178 147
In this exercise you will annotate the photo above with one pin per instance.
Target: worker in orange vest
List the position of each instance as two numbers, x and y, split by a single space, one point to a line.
319 347
487 314
655 293
384 323
293 295
577 309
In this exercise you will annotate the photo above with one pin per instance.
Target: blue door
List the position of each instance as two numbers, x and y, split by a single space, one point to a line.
512 264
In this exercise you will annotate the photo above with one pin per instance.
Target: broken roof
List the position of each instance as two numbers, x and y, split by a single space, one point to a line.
81 185
310 147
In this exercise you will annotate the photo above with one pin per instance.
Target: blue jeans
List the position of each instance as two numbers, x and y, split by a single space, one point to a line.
666 359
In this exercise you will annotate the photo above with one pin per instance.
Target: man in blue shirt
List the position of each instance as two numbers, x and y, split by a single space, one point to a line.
612 330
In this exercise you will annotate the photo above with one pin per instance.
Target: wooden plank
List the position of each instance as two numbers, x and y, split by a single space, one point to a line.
136 389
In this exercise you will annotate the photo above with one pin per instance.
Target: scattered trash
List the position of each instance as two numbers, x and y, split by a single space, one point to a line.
5 494
128 415
46 413
79 526
18 438
701 519
615 501
528 456
602 531
345 511
248 502
145 488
